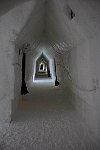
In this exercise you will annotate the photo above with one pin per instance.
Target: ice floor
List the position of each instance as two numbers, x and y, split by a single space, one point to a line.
48 119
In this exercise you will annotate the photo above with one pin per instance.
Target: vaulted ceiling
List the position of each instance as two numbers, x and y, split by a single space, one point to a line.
51 20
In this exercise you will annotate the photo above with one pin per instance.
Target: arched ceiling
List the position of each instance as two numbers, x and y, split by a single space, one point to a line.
48 20
51 20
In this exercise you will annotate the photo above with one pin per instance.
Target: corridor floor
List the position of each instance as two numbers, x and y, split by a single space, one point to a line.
48 119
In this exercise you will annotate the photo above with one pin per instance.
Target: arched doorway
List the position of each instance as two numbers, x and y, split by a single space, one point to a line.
42 68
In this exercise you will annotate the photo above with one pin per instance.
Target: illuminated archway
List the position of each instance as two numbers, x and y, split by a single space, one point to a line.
42 68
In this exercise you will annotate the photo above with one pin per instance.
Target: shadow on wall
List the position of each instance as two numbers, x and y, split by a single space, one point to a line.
6 5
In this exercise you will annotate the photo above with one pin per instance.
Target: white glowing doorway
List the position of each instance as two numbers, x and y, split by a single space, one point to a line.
43 69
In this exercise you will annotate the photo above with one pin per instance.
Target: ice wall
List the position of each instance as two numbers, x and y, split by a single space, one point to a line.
84 60
11 22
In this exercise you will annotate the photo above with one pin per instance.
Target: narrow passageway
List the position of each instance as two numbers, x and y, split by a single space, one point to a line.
48 118
49 75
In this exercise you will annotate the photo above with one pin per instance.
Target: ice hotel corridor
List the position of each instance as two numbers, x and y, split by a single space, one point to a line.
49 75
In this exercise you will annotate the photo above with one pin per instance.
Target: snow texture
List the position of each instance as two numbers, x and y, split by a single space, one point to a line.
48 119
51 119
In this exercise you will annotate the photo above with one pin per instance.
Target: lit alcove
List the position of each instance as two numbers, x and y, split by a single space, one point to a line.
43 70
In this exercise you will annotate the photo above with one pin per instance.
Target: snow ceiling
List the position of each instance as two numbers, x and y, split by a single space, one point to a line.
50 21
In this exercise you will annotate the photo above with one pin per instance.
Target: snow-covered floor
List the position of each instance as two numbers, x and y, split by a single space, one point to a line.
48 119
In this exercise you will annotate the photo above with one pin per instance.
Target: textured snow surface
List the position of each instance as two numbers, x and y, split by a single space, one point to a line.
48 119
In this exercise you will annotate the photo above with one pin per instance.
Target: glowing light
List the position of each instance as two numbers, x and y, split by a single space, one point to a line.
45 80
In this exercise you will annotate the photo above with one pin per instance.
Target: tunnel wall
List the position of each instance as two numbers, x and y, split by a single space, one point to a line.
11 22
85 64
95 68
80 71
80 82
